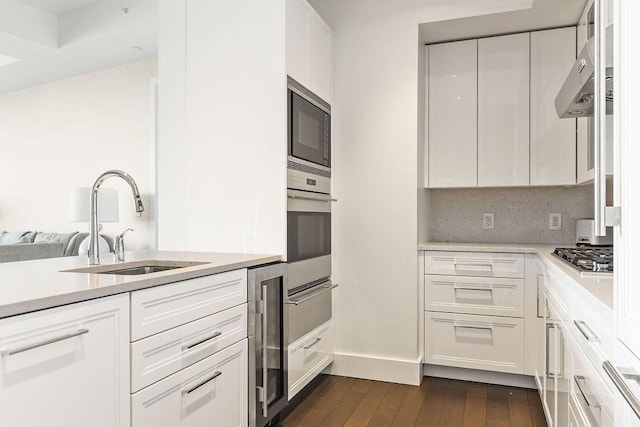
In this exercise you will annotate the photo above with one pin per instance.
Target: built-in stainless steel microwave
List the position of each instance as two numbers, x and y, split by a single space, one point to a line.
308 141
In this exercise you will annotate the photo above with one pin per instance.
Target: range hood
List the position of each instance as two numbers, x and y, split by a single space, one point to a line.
575 98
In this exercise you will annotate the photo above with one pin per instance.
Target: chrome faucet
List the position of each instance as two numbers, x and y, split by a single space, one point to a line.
94 249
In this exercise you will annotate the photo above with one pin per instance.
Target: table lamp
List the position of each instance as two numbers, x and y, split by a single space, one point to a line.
108 211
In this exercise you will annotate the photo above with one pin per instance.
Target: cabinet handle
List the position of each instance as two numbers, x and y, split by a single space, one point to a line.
489 267
202 341
43 343
586 331
540 293
469 288
619 380
316 341
265 349
200 384
549 373
480 328
580 380
323 289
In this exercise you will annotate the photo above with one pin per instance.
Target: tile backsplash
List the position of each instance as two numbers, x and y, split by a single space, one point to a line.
521 215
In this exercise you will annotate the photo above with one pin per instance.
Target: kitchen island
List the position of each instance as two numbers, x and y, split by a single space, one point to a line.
165 348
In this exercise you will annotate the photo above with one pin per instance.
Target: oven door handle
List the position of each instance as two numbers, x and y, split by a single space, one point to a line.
318 198
325 288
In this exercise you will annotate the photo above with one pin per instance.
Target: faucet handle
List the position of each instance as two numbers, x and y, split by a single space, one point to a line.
119 245
121 235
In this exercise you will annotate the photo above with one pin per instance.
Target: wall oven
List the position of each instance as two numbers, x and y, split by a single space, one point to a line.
308 238
308 140
268 343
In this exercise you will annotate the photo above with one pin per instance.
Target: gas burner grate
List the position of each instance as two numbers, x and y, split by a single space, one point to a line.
588 258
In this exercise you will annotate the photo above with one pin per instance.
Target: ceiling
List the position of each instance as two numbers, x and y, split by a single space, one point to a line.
57 7
47 40
543 14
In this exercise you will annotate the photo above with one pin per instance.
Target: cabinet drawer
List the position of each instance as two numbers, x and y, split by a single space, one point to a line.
158 309
479 264
476 342
161 355
474 295
210 392
308 356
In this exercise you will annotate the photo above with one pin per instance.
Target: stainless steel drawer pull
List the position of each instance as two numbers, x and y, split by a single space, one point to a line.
200 384
480 328
313 295
43 343
586 331
469 288
620 381
316 341
580 380
202 341
473 267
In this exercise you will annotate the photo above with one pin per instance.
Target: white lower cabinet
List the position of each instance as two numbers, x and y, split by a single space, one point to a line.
210 392
475 310
479 342
66 366
308 356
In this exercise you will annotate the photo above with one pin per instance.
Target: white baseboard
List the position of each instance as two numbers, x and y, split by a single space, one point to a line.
375 368
500 378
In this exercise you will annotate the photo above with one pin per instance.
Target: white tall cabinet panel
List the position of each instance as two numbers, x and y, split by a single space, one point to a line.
553 140
309 48
222 156
585 161
66 366
627 153
453 114
503 111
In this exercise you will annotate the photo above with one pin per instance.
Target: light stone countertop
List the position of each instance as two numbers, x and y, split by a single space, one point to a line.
600 285
27 286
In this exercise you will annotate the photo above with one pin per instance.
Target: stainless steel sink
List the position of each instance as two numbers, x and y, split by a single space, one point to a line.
136 267
145 269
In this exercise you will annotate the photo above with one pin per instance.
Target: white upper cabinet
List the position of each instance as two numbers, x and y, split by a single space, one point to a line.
453 114
553 140
309 48
503 111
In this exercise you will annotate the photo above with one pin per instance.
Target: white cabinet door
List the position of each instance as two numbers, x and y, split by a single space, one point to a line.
297 39
320 47
503 111
309 48
66 366
453 114
626 180
553 140
585 161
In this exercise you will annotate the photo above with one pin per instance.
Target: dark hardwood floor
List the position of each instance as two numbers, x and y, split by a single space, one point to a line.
342 401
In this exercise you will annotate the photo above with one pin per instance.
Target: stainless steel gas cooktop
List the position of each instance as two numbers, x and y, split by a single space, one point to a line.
594 259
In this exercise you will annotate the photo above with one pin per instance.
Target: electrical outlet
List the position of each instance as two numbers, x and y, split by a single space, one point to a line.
487 221
555 221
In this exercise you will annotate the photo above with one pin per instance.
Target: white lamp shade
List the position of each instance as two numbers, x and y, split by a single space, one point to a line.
80 205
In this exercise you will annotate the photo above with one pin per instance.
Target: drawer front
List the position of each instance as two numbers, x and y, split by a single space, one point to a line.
478 264
164 307
588 388
308 356
476 342
163 354
210 392
474 295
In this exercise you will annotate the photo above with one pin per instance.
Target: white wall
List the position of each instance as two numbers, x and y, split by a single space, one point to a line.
222 146
376 111
64 134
